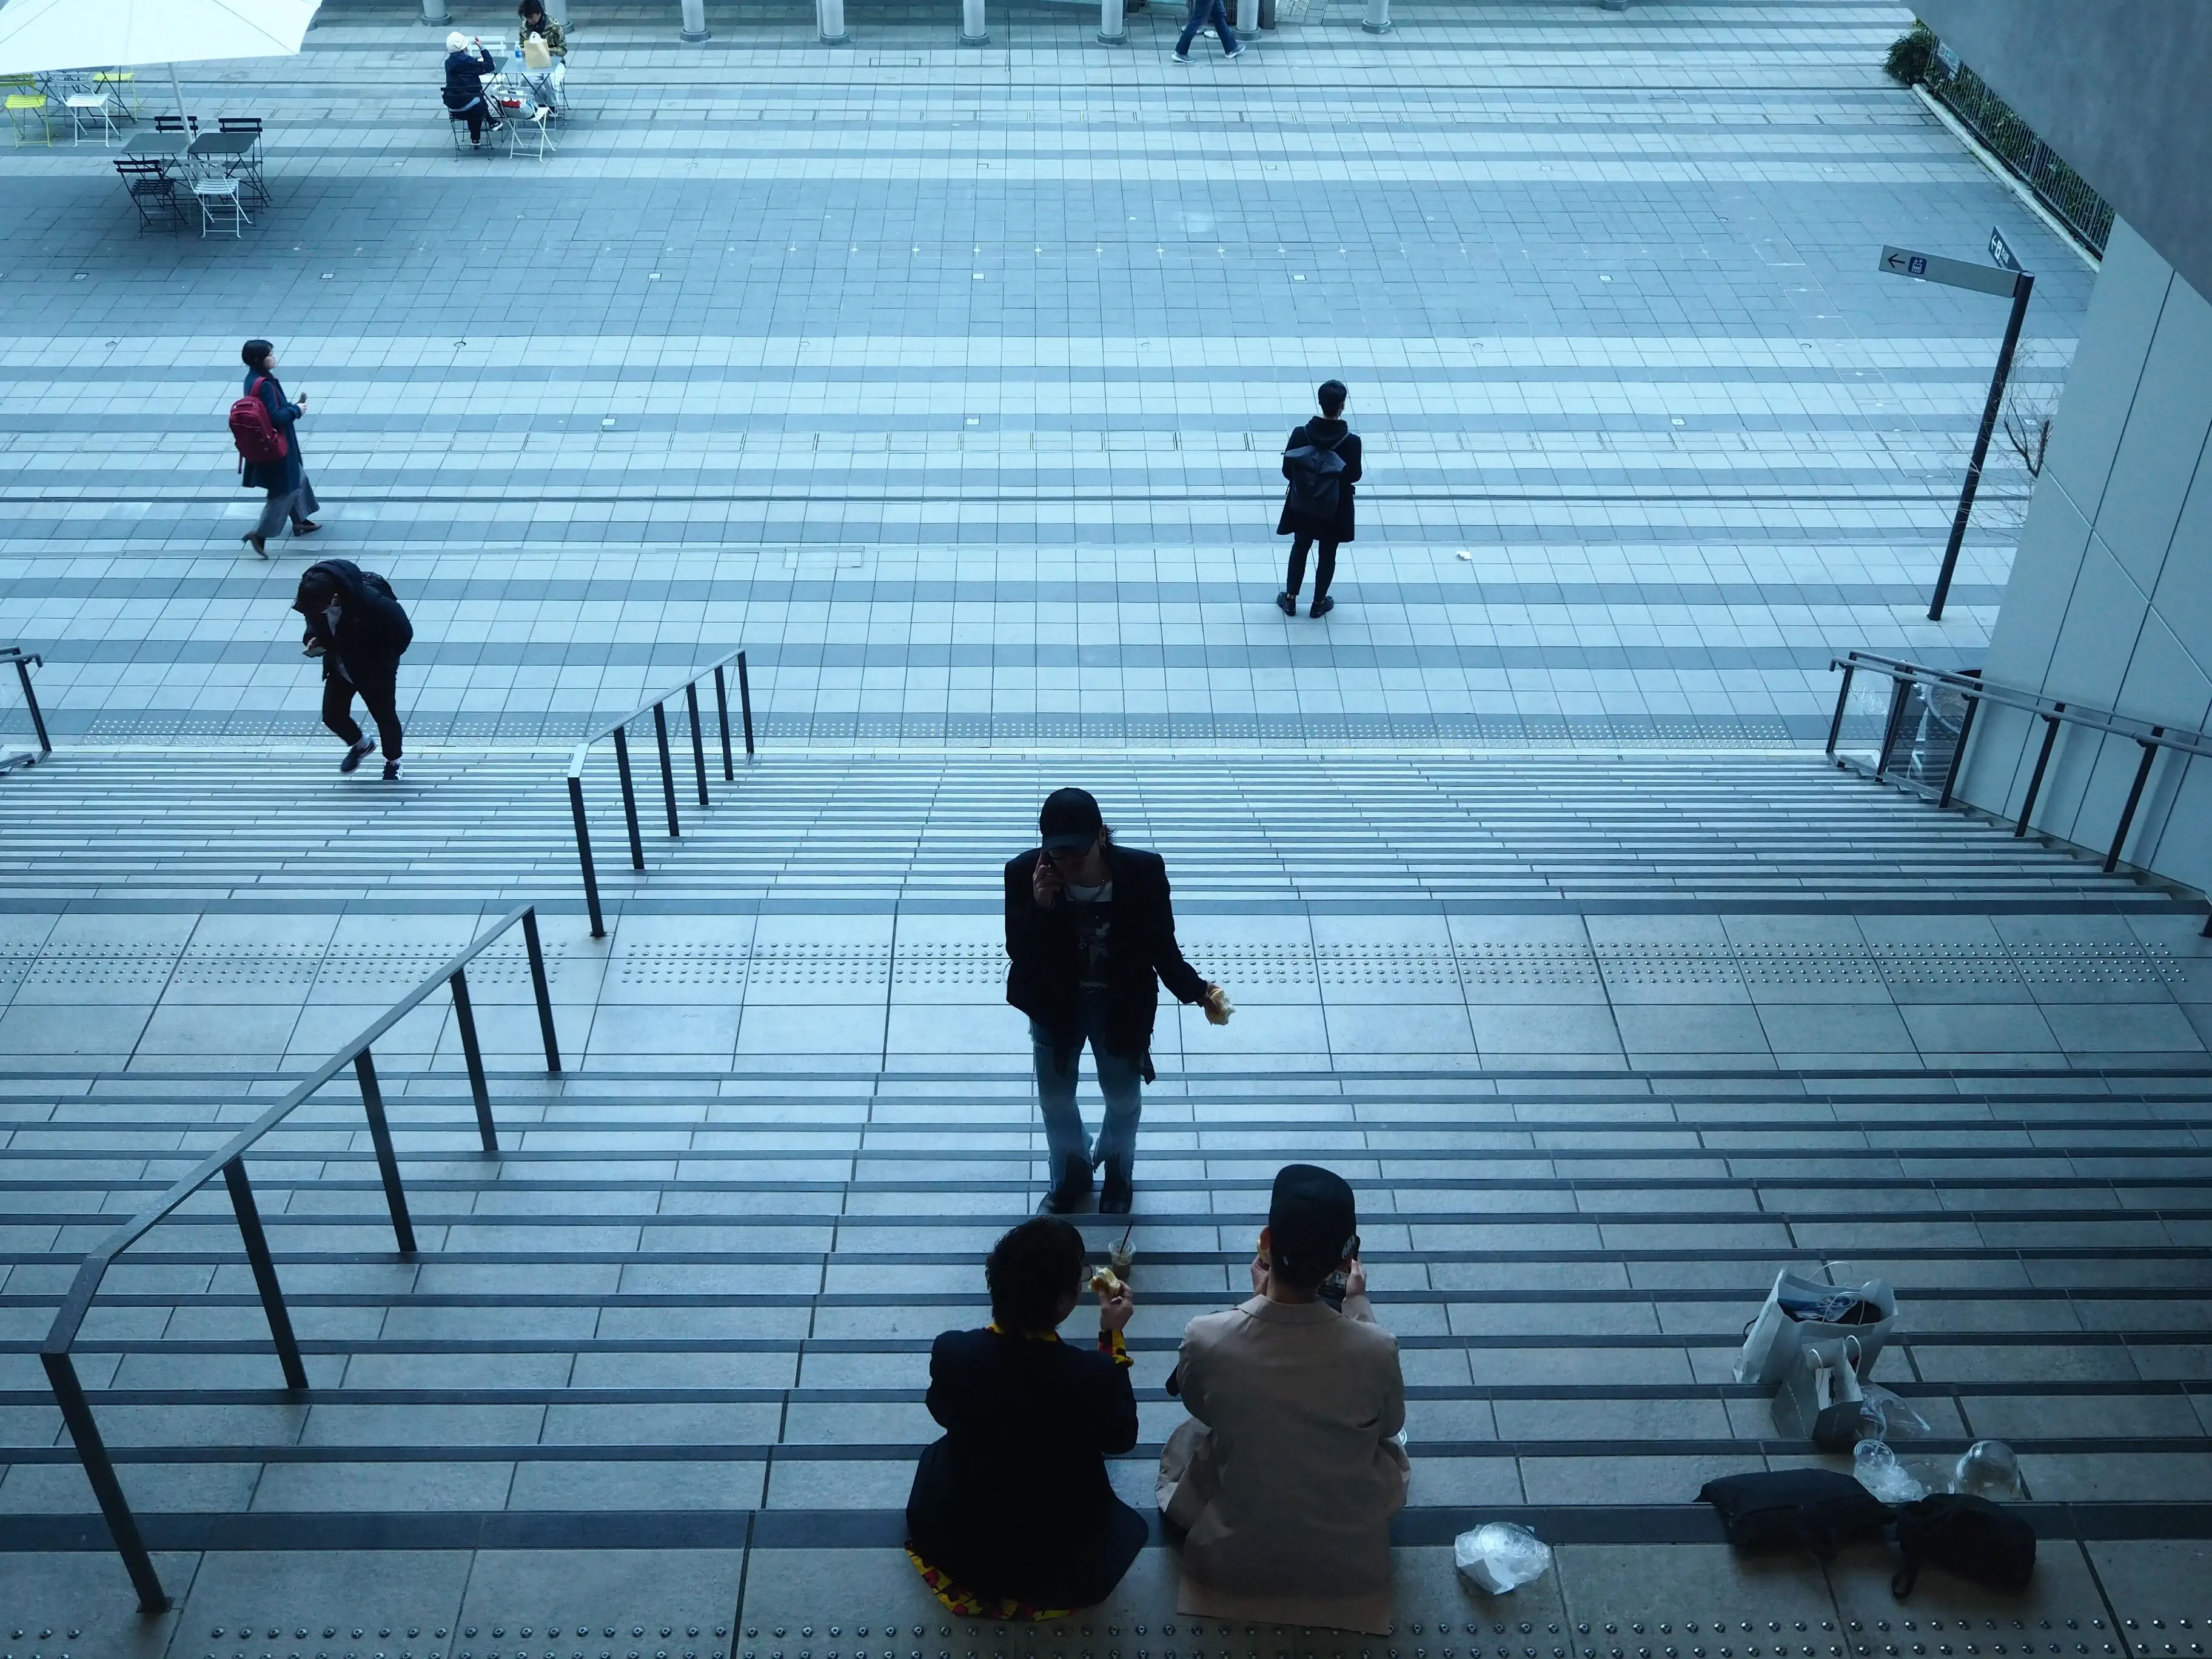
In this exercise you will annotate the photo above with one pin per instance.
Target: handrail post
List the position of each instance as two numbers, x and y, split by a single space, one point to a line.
541 989
264 1272
31 700
667 767
1958 753
698 739
100 1472
380 1134
583 856
746 702
2135 797
1843 697
464 1016
722 710
1899 694
2042 762
629 798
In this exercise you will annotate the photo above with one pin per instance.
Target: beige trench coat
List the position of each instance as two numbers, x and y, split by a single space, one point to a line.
1287 1479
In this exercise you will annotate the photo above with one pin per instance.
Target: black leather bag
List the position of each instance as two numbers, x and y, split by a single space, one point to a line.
1813 1509
1967 1536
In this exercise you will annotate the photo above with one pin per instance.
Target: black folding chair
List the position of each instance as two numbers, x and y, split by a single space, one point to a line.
246 166
154 192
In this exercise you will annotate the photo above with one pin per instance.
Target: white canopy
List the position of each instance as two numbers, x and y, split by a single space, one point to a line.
65 35
68 34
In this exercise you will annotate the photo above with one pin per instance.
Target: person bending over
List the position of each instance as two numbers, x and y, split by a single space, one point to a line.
1286 1478
1012 1515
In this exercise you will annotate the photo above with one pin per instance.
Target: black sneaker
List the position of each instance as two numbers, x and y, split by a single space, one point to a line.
355 756
1323 606
1287 604
1074 1188
391 771
1115 1196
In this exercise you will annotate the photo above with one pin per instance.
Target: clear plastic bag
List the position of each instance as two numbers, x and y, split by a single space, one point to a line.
1888 1417
1498 1556
1881 1474
1988 1468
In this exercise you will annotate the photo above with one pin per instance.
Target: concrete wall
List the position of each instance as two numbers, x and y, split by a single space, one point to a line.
2117 87
2111 596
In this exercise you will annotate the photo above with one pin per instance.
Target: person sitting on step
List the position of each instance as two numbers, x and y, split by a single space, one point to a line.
1011 1514
1284 1482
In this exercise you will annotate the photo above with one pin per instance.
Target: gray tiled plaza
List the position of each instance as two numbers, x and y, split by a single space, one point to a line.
950 384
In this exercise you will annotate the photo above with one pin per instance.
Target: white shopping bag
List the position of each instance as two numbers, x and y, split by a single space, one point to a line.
1792 1321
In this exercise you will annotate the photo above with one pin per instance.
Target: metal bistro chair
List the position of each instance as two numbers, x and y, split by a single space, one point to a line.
527 129
31 116
220 207
247 166
91 111
495 122
153 191
123 86
177 124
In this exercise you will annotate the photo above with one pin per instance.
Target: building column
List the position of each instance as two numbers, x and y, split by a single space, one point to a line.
434 11
829 18
974 27
1112 30
694 20
1378 20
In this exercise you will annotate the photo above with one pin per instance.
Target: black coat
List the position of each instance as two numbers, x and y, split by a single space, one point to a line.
373 628
285 414
1043 979
1014 1500
1339 529
465 78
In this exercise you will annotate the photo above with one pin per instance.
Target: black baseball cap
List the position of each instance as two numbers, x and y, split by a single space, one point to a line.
1311 1219
1070 820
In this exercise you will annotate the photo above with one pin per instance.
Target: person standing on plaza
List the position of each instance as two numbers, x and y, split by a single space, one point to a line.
284 474
1090 936
1322 462
1204 13
357 626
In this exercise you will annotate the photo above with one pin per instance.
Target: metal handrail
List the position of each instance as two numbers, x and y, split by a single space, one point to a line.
619 731
230 1162
25 661
2055 712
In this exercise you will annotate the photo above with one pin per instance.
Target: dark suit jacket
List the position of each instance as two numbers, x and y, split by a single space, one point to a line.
1014 1500
1043 980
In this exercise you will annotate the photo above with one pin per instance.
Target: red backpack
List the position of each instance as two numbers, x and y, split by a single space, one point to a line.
258 441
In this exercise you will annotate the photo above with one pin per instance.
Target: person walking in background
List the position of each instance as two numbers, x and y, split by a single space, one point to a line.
1090 936
1203 13
464 78
1322 462
269 456
1011 1515
357 626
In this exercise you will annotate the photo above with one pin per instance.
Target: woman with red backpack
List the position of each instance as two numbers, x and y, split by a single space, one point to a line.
264 425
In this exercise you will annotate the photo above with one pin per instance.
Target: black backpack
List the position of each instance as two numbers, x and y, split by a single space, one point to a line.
1316 480
398 629
1970 1537
1813 1509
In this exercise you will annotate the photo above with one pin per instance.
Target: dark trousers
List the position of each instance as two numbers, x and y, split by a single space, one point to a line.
476 114
1203 12
1324 572
379 694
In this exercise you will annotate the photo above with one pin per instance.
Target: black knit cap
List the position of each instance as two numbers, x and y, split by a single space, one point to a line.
1070 821
1310 1220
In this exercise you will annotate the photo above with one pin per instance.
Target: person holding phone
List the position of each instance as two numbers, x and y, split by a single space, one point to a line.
1089 939
1284 1480
289 493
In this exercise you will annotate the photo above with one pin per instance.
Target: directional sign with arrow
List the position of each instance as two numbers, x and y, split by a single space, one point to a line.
2005 278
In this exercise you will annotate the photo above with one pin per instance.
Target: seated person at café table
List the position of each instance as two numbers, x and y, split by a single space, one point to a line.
549 33
1284 1483
1012 1515
464 78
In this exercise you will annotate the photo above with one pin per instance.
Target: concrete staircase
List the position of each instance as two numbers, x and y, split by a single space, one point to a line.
1602 1041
